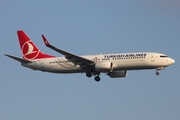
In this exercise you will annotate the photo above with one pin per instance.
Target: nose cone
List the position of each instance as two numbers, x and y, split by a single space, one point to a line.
171 61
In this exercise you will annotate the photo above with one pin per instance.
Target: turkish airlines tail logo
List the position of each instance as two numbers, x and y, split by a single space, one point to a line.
28 48
29 51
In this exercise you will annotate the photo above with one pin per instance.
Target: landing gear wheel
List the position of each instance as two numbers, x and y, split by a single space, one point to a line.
89 74
157 73
97 78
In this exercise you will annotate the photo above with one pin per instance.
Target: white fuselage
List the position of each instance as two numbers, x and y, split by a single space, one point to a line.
121 61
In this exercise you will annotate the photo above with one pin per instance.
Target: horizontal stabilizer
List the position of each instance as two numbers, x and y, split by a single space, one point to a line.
18 59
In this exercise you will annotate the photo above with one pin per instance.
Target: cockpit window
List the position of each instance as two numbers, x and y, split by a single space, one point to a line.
163 56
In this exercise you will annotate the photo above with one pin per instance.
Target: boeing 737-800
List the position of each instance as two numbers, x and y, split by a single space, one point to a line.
114 65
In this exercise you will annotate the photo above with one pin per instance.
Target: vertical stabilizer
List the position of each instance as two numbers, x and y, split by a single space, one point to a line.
29 49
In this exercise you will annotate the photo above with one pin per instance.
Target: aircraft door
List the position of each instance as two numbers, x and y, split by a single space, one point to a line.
152 58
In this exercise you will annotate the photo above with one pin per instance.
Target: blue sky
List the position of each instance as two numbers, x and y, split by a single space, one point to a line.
90 27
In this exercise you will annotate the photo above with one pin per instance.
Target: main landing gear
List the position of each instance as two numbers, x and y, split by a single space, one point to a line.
96 78
89 74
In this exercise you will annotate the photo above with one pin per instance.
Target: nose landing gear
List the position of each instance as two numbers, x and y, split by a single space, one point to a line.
157 73
157 69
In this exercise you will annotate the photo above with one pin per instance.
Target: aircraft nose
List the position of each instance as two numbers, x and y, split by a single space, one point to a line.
172 61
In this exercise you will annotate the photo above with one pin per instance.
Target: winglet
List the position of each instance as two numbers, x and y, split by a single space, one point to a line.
45 41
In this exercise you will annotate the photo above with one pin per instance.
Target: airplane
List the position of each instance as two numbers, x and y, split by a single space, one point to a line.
113 65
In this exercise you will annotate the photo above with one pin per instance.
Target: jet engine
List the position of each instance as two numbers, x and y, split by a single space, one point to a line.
117 74
104 66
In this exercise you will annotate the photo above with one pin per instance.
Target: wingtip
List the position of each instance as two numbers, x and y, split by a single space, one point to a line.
45 41
7 55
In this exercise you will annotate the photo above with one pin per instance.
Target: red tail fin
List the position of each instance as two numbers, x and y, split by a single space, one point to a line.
29 49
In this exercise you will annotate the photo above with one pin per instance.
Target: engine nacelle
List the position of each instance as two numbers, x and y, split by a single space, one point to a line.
118 74
103 66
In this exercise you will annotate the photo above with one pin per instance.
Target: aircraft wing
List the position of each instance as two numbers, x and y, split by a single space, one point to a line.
83 62
18 59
